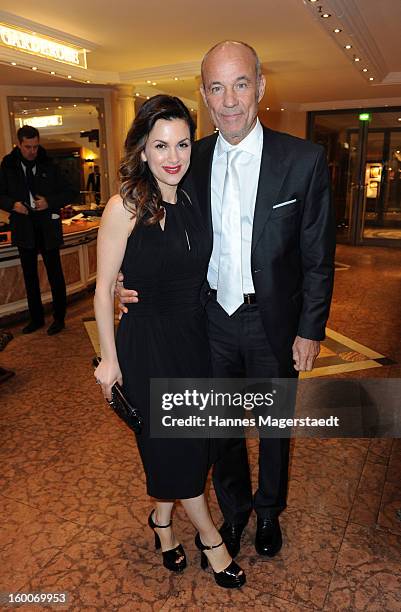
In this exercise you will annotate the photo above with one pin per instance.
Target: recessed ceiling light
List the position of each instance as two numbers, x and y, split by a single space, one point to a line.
325 15
137 94
13 63
69 77
52 72
364 70
398 151
371 79
337 30
47 108
154 83
148 97
399 119
148 82
357 59
34 67
282 109
175 78
267 107
88 81
312 1
74 105
348 47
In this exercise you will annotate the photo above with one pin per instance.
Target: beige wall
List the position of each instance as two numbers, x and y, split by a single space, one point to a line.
291 122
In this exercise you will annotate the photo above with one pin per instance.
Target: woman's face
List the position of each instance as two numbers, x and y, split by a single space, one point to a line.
168 152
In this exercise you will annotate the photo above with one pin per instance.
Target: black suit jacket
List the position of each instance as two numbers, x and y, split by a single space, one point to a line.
49 182
292 245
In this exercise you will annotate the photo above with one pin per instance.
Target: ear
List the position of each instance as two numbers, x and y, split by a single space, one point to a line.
203 93
262 87
143 156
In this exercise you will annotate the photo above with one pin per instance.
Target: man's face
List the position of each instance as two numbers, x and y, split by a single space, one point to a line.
231 90
29 148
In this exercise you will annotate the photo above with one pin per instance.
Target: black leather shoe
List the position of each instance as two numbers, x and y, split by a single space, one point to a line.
268 540
231 534
55 327
32 327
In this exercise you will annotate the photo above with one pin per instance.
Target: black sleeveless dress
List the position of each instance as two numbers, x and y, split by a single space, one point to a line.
164 335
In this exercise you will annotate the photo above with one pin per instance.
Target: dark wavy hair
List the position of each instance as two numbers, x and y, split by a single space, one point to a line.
139 189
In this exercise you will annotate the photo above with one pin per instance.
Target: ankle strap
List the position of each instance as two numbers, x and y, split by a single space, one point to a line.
160 526
211 547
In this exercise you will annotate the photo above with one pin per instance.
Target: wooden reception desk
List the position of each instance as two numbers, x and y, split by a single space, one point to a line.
78 256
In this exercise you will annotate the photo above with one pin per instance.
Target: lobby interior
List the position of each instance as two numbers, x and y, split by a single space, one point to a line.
73 501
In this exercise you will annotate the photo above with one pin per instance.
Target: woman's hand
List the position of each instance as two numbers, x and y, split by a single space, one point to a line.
106 374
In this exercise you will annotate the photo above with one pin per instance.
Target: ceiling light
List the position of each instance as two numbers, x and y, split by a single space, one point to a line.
74 105
364 70
312 1
175 78
325 15
59 107
137 95
13 63
398 151
154 83
282 109
148 97
337 30
88 81
357 59
399 119
148 82
267 107
348 47
52 72
34 67
371 79
192 110
69 77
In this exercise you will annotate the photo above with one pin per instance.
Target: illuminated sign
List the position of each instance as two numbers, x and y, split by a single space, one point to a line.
41 46
42 122
365 117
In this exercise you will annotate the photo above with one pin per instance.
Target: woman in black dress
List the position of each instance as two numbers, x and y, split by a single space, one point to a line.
154 234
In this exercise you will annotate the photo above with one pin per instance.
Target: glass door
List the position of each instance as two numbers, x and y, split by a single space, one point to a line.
364 157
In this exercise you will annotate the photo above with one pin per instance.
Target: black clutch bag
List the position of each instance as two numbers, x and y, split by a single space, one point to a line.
122 407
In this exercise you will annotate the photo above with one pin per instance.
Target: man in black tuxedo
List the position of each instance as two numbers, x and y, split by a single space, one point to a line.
33 190
265 197
93 183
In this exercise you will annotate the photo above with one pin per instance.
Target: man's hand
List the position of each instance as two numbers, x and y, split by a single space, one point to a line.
41 203
304 353
20 208
124 296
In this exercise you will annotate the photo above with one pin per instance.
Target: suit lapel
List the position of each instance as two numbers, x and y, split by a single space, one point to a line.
203 178
273 170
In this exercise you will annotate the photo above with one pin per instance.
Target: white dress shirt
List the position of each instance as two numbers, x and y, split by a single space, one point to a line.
248 165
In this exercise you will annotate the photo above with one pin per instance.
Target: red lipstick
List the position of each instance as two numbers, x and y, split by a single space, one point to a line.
172 169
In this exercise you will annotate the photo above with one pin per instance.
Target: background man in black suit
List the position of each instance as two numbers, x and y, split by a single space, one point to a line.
32 190
265 197
93 183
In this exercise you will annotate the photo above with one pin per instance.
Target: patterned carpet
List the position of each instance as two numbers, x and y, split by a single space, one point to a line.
338 354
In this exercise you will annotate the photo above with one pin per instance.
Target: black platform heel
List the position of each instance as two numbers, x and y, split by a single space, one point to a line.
170 557
230 577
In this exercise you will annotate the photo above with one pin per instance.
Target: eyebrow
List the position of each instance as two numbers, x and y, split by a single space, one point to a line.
164 142
240 78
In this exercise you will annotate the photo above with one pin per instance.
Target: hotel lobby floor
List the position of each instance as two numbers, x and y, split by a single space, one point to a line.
73 503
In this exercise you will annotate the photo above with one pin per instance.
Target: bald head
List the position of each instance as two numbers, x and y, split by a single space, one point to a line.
224 46
232 86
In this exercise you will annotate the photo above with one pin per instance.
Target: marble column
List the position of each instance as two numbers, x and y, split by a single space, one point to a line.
204 124
126 112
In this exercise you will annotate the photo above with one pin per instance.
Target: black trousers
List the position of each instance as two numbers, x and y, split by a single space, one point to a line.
240 349
52 261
